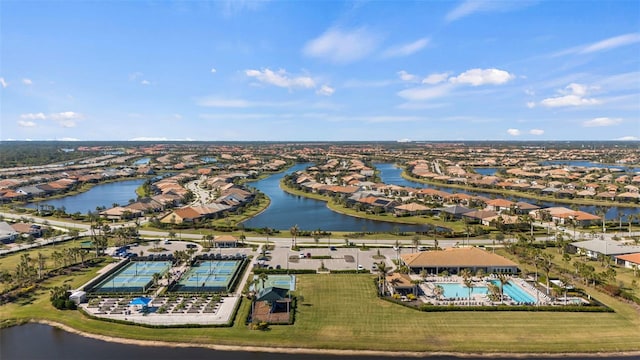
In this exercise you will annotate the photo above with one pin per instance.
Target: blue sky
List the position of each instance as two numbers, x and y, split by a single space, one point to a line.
320 70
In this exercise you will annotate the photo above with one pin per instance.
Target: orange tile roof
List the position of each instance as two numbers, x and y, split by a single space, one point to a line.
456 257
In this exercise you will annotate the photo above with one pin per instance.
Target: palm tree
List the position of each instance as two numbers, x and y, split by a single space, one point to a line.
424 274
546 264
294 234
263 277
416 283
494 291
382 269
415 240
467 281
438 291
504 279
41 261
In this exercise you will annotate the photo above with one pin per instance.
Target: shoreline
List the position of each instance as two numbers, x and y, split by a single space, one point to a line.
334 352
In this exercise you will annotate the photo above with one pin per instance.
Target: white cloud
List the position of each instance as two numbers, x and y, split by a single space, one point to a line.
601 121
27 82
325 90
477 77
145 82
425 93
65 119
513 132
628 138
536 132
574 95
280 78
23 123
531 104
342 46
469 7
213 70
3 83
466 8
602 45
66 115
33 116
405 76
435 78
68 139
611 43
406 49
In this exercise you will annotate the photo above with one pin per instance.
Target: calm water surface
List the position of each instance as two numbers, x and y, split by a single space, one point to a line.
287 210
36 341
100 195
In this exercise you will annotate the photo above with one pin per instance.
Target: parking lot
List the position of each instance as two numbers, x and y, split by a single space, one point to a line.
337 259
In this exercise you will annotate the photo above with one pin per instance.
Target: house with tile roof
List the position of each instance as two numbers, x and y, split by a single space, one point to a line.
455 259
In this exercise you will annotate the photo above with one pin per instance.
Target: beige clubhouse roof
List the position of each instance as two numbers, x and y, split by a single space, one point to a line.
456 257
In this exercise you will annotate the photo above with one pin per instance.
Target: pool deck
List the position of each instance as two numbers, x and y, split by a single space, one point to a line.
429 297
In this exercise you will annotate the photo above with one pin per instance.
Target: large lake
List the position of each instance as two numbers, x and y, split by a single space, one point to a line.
100 195
287 210
36 341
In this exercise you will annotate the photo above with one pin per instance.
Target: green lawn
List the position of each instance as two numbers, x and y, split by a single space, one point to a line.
343 312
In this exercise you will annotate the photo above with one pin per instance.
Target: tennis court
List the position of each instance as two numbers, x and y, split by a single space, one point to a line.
210 276
279 281
136 276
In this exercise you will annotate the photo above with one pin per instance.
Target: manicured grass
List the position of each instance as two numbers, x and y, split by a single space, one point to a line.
343 312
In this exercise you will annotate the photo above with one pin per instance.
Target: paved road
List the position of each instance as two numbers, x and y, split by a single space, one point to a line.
286 242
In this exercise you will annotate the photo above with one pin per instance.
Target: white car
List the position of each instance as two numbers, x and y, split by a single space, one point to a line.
360 267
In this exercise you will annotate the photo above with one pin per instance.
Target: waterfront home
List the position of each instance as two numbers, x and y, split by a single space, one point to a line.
411 209
596 247
453 260
28 229
630 261
182 215
7 233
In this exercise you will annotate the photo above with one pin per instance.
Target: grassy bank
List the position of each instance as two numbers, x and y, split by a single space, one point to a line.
343 312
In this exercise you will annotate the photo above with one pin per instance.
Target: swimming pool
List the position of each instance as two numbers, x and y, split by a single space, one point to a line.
516 293
457 290
513 290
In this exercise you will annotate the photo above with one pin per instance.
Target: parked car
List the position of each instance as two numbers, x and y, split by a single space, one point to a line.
332 248
360 267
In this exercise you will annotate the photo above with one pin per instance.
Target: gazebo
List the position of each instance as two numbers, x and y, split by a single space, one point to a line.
269 303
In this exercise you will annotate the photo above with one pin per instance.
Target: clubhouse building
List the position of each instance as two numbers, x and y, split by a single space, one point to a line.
453 260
